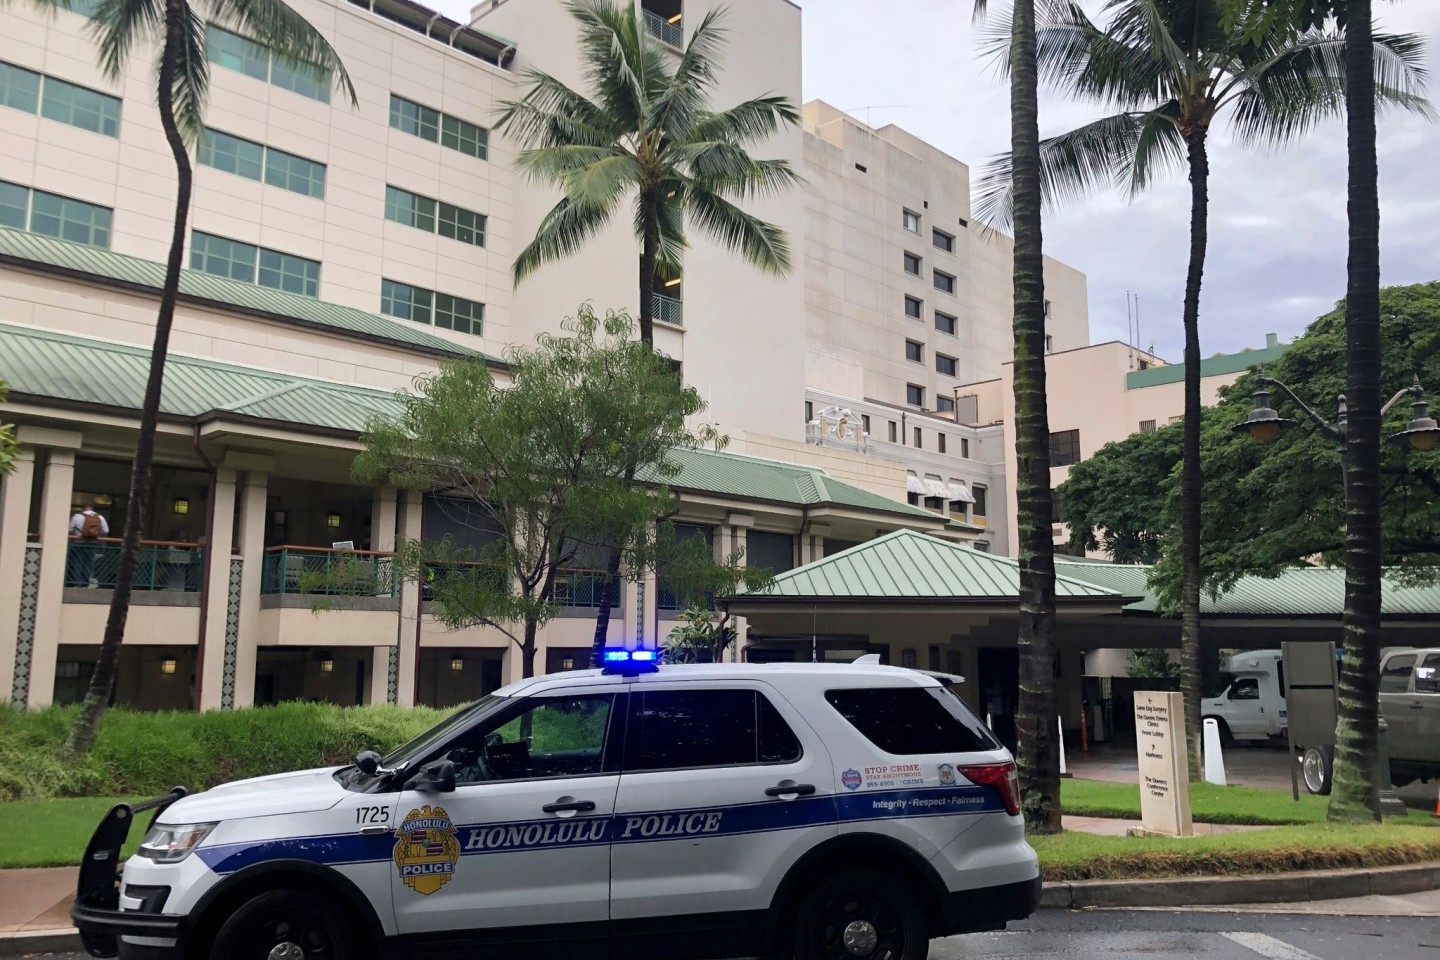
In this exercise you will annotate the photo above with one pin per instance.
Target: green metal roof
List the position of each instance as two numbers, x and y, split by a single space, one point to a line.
752 478
103 266
906 565
44 363
1297 592
1218 365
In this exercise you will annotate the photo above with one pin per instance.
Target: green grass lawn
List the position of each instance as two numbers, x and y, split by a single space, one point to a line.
53 833
1209 803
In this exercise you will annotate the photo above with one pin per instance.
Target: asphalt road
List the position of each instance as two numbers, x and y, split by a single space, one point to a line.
1141 935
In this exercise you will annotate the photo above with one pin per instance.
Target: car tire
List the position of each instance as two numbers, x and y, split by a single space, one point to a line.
1316 766
287 925
861 915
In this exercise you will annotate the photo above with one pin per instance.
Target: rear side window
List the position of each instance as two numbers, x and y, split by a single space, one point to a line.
912 720
680 729
1395 675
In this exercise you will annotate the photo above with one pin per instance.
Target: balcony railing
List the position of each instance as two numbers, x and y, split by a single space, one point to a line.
325 572
162 565
663 30
581 588
667 309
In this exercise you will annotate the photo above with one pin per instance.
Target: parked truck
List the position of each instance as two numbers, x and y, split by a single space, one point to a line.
1251 704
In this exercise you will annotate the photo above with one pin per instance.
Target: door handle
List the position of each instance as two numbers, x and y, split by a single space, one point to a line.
1417 706
790 787
373 831
562 806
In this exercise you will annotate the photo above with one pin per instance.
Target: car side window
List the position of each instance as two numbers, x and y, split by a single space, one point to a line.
1395 675
1427 675
1245 690
551 737
683 729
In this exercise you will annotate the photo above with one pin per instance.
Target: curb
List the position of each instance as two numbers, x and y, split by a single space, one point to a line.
1218 891
63 940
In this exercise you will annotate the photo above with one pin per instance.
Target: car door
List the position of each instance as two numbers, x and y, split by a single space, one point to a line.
1246 711
1425 708
725 786
523 841
1402 723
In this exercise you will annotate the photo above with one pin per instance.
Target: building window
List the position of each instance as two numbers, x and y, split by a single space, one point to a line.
80 107
944 282
1049 343
52 215
426 214
914 352
940 442
981 495
912 221
1047 308
945 323
19 88
254 161
429 124
965 447
945 365
912 263
914 395
1147 426
248 263
919 439
865 423
436 309
243 55
809 411
944 404
982 546
943 240
1064 448
914 307
892 432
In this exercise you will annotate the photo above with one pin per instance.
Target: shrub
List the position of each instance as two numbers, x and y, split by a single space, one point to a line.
142 753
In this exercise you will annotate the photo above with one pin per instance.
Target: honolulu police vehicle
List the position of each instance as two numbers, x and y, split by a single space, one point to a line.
814 810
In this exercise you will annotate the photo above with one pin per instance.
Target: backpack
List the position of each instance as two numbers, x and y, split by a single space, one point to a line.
90 526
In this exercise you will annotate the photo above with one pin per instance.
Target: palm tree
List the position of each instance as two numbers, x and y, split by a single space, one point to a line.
177 31
649 136
1037 754
1172 68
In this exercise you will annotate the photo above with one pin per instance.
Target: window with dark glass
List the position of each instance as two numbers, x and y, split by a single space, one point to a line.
914 307
911 220
1395 676
914 395
945 323
686 729
914 351
891 432
919 438
945 404
550 737
940 442
945 365
1245 689
981 495
944 282
943 240
769 550
912 263
910 720
1064 448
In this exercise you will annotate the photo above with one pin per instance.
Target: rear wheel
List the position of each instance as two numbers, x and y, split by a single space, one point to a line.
861 915
286 925
1316 764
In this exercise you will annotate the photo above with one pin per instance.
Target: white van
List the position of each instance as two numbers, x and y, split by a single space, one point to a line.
1251 704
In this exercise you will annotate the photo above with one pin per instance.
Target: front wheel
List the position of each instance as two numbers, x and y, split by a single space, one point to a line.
1316 764
861 915
286 925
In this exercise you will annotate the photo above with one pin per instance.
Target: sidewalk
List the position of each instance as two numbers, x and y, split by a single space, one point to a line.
35 900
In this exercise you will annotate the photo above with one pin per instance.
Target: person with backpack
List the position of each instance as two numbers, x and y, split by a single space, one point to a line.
86 527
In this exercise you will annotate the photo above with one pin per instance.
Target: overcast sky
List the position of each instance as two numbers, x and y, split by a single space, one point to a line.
1277 221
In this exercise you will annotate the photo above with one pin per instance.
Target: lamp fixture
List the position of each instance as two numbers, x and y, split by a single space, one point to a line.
327 665
332 521
1263 423
675 19
181 506
457 664
1422 432
675 282
167 666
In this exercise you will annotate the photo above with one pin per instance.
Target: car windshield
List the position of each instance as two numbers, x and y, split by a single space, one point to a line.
422 744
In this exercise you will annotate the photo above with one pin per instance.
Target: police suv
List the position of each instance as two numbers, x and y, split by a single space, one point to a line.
834 811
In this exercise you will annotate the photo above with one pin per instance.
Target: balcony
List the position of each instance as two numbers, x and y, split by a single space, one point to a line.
318 571
667 31
581 589
163 565
667 309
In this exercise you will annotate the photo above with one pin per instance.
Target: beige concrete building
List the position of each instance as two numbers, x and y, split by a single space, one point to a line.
1098 395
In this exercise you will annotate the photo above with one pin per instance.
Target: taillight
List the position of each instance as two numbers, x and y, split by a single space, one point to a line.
1000 777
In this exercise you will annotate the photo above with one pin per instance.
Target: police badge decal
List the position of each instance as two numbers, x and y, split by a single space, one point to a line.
426 850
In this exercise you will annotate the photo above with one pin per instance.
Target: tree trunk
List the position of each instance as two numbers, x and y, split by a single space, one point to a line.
527 650
1355 787
1037 751
609 596
1190 679
102 682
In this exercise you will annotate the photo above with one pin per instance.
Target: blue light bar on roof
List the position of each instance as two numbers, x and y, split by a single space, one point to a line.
621 660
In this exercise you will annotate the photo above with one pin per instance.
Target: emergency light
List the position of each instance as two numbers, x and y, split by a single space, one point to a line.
629 662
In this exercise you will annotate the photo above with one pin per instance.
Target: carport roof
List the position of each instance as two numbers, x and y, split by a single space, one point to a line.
906 565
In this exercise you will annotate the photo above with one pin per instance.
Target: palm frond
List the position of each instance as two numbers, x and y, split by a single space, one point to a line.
289 36
727 168
556 166
563 231
750 121
670 219
192 76
1147 25
762 244
613 58
550 114
684 97
120 24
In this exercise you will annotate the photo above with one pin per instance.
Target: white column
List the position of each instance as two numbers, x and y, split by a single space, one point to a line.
740 536
218 548
55 507
15 491
409 529
383 515
252 555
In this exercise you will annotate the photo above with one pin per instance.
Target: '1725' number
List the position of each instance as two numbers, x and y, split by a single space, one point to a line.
372 815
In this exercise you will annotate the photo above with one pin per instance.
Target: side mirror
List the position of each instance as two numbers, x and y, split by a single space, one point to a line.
368 761
437 777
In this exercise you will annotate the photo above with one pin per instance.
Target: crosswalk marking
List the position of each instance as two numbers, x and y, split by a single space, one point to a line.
1268 946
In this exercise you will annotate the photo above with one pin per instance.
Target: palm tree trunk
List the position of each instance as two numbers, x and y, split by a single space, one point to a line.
1190 679
102 682
1355 787
1037 750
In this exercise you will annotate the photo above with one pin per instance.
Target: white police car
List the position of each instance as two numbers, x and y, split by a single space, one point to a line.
813 810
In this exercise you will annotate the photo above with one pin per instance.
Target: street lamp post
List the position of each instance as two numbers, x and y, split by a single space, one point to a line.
1265 424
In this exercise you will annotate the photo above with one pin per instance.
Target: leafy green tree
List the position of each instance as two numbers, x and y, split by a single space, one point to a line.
8 445
701 584
1151 664
647 134
175 32
1115 499
1171 68
1038 750
540 467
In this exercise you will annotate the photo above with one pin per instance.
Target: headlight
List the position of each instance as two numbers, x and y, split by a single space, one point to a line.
167 843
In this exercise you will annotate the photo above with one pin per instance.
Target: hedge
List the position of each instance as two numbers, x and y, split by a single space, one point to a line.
142 753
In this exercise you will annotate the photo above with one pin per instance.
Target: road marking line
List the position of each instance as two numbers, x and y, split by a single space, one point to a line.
1268 946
